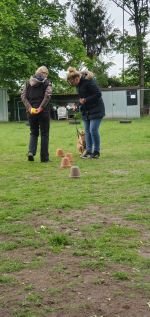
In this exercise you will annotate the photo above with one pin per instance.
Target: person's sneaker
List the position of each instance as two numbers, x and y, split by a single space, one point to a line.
46 161
30 157
95 155
86 154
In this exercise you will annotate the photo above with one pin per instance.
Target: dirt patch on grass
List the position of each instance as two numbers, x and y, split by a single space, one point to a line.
63 285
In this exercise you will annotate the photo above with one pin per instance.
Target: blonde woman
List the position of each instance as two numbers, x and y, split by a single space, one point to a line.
35 95
91 106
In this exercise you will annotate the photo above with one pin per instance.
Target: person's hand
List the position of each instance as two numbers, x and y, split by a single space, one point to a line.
39 109
74 107
82 101
33 111
29 109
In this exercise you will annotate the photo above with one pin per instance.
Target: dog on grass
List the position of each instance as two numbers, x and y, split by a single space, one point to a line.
81 145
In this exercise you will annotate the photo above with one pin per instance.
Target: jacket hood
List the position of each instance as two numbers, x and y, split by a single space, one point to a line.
36 80
86 74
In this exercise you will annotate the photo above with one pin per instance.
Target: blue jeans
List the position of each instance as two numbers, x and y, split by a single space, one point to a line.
92 135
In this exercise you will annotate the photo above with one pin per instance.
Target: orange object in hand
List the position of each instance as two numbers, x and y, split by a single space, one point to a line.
34 111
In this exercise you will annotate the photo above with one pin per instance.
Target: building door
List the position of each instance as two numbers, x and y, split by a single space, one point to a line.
119 107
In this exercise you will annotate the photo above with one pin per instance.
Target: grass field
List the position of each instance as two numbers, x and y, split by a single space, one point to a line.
75 247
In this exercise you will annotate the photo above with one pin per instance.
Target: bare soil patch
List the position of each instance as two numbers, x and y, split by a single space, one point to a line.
61 286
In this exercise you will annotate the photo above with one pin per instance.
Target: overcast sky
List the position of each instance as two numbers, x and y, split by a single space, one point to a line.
116 16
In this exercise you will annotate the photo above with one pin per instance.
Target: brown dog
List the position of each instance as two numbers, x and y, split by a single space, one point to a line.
81 145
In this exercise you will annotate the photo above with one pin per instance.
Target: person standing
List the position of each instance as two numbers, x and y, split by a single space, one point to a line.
35 95
91 106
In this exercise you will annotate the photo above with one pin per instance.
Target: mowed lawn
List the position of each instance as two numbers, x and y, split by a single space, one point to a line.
75 247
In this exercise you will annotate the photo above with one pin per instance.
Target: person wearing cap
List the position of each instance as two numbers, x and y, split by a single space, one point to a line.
91 106
35 96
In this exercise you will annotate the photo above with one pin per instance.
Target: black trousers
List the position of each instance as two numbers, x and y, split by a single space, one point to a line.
39 123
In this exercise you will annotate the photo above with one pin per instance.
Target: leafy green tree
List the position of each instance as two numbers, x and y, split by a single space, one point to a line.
33 33
72 52
100 70
138 11
115 82
93 26
131 74
24 43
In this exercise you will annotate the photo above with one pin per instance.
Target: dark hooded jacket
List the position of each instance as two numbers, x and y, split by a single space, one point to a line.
94 106
36 92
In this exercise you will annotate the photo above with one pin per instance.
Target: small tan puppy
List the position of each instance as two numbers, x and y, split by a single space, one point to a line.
81 145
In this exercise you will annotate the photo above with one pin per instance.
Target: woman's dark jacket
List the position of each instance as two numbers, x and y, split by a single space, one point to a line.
94 107
36 93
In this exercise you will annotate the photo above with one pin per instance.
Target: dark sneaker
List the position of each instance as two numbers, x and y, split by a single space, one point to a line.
95 155
86 154
30 157
46 161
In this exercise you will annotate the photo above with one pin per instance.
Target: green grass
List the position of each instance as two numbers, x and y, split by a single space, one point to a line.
123 166
58 241
9 266
7 279
39 202
123 276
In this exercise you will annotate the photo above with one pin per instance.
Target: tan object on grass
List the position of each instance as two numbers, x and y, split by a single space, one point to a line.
70 157
60 153
81 145
65 162
75 172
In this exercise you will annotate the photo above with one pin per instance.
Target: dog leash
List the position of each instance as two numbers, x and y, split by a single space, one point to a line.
76 128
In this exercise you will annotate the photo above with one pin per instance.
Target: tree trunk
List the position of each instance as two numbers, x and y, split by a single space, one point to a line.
140 56
141 75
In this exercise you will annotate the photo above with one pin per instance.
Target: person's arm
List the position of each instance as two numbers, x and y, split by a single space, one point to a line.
24 98
47 96
94 94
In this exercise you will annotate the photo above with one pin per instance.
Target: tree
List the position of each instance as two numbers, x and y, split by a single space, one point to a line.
33 33
92 25
131 74
24 44
138 11
72 52
100 69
